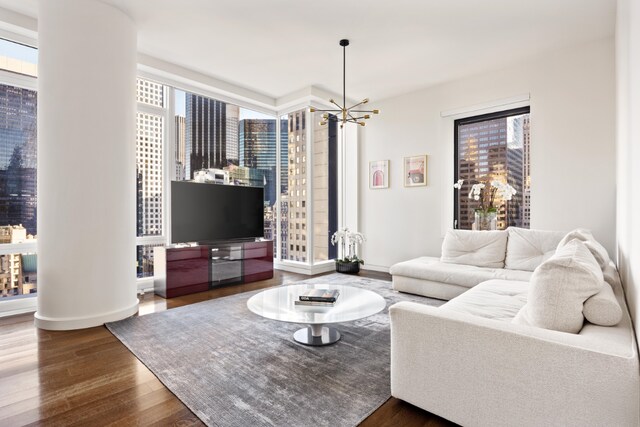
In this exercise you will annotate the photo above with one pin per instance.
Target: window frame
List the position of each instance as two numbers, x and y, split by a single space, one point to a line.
12 306
167 141
470 120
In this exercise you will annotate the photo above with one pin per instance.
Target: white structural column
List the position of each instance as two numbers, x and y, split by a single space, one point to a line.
86 164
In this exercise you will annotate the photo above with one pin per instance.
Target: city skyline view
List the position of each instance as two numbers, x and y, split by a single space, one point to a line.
495 149
228 144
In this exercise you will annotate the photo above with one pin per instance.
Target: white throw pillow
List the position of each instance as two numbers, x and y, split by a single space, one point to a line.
603 308
527 249
597 250
479 248
559 287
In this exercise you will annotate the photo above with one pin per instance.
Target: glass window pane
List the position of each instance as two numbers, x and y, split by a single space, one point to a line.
18 189
293 195
144 260
495 149
225 144
18 275
18 58
150 93
149 174
325 212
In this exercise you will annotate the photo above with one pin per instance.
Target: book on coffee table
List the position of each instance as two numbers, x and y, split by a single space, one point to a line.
315 303
320 295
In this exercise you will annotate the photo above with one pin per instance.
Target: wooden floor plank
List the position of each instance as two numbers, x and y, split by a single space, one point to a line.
88 377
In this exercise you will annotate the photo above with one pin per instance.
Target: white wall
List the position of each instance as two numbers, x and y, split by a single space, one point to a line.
572 98
628 107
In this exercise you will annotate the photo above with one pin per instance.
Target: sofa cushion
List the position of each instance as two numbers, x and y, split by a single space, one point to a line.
493 299
432 269
603 308
559 287
597 250
479 248
527 249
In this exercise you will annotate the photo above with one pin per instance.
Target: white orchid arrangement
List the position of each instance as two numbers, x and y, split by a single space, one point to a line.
347 238
488 195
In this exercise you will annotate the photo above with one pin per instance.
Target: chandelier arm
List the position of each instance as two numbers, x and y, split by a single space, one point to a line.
327 111
337 105
362 111
352 119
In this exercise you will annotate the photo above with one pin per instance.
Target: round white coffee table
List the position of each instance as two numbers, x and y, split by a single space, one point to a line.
352 304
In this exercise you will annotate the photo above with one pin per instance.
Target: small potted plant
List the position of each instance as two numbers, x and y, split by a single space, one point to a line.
350 262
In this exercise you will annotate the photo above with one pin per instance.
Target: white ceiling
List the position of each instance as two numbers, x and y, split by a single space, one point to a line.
276 47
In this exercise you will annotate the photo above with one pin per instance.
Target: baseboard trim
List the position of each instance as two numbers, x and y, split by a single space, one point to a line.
309 270
371 267
70 323
12 307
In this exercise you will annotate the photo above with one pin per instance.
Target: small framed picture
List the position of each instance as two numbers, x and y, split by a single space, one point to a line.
379 174
415 171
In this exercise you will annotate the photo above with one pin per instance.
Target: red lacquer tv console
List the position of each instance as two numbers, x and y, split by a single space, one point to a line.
181 270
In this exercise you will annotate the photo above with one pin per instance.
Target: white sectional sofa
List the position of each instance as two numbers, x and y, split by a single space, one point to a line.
472 362
467 260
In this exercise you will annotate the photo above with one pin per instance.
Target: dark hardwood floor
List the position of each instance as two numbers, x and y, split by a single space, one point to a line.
89 378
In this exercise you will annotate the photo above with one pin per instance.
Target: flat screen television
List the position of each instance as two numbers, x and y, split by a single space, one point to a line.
203 212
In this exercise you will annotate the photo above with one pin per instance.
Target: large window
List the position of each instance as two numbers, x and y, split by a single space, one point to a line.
150 171
220 142
294 199
18 162
216 141
325 187
494 147
307 217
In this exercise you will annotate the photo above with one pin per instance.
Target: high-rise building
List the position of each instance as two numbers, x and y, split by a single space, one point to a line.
13 234
233 117
181 149
526 172
17 272
18 143
206 144
324 184
514 213
149 131
296 237
284 226
258 143
258 151
149 168
10 275
284 156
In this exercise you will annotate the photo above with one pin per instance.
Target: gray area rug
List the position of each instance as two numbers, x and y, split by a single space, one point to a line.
232 367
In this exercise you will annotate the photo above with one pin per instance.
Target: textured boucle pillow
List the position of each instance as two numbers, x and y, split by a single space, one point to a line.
603 308
559 287
597 250
479 248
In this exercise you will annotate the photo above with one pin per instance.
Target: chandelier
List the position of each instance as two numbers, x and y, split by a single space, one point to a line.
353 114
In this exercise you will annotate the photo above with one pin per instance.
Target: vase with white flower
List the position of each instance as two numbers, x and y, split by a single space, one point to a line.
489 195
348 260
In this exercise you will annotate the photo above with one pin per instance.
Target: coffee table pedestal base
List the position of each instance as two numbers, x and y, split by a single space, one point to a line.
317 335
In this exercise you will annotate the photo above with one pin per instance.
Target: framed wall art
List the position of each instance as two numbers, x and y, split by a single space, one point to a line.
379 174
415 171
